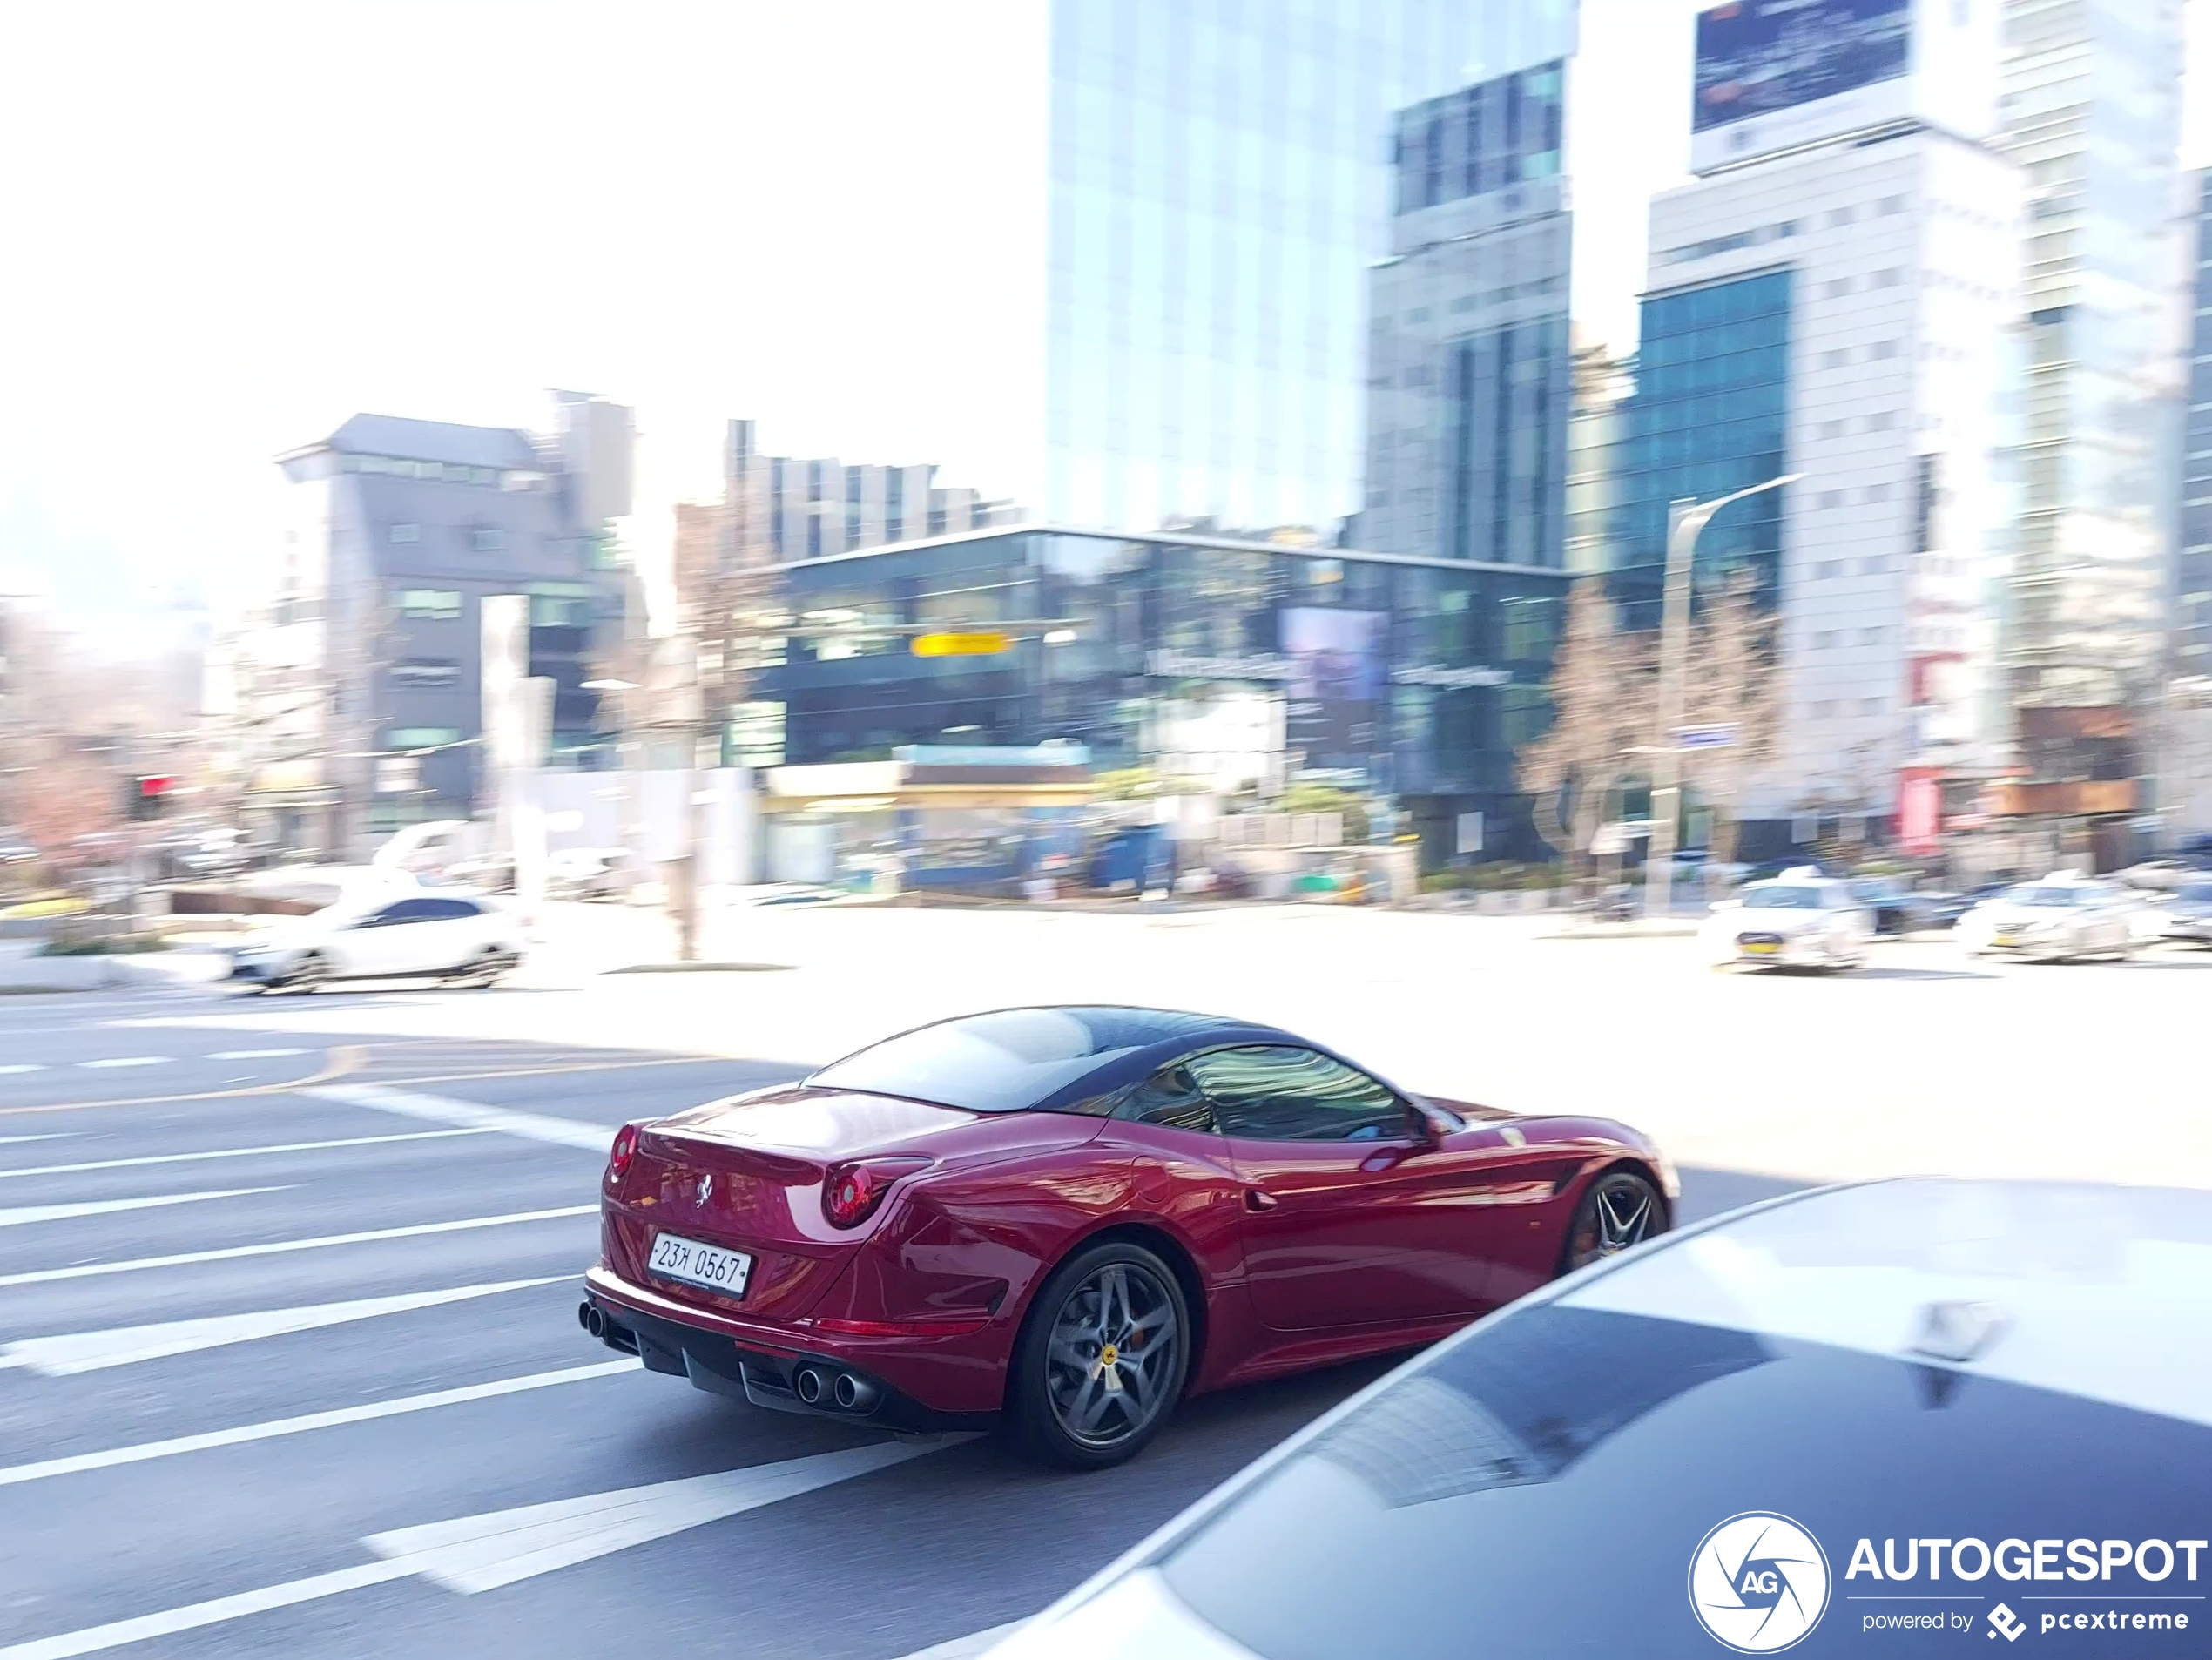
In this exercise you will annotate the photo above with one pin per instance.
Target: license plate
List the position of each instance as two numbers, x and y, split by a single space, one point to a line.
676 1258
1761 949
2004 937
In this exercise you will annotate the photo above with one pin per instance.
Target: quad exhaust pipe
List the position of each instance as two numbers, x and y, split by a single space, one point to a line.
852 1393
807 1384
589 1316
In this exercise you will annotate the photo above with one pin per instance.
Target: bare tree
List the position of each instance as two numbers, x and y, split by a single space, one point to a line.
729 612
1735 686
1602 691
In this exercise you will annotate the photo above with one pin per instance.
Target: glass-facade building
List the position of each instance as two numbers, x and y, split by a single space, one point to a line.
1469 361
1412 679
1710 415
2092 114
2192 614
1221 178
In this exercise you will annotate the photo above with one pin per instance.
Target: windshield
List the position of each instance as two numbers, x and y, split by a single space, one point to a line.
1002 1062
1473 1487
2050 896
1785 899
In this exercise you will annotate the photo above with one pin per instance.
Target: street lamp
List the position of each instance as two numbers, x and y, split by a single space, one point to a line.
1686 520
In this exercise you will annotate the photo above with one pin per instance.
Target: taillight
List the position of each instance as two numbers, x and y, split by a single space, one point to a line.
620 1155
852 1192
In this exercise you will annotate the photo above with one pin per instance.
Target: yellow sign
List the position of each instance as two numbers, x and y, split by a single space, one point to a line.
960 644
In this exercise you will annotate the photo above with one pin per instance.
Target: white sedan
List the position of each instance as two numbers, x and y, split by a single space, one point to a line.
414 935
2062 918
1799 920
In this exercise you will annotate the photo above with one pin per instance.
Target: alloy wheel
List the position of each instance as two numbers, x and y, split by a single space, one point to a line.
1112 1360
1621 1211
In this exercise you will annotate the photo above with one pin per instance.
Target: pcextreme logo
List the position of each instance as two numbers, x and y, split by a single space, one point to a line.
1758 1582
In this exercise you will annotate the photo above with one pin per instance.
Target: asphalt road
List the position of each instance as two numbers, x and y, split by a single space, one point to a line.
273 1304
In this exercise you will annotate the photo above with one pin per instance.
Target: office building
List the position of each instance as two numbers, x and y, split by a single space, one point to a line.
1227 667
1220 180
2192 590
1469 382
2092 114
1834 296
358 686
804 509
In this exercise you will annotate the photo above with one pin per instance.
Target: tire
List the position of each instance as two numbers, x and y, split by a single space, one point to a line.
1619 1209
483 970
311 971
1065 1407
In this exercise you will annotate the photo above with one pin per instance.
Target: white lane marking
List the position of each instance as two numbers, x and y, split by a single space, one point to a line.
14 1067
444 1110
51 1135
93 1639
231 1253
23 1214
78 1463
969 1646
482 1553
128 1060
234 1152
70 1352
251 1054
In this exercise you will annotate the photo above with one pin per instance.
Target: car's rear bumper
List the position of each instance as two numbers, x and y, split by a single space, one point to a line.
915 1382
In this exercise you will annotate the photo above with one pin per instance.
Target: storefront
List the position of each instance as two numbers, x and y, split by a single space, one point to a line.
1234 667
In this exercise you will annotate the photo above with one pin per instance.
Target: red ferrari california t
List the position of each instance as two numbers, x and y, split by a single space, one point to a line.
1071 1218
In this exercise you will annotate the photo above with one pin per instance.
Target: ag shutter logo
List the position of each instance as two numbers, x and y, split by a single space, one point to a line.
1758 1582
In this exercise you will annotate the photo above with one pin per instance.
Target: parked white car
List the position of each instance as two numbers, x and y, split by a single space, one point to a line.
2062 918
422 935
1799 919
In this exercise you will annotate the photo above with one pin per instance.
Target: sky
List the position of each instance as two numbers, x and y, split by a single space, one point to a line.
231 226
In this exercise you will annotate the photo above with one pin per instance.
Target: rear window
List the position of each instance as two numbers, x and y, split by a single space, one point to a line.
1002 1062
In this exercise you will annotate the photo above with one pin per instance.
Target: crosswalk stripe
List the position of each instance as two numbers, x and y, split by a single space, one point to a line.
438 1109
70 1352
399 1406
473 1554
234 1152
232 1253
24 1214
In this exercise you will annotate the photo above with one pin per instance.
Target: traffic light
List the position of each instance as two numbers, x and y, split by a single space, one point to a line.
151 800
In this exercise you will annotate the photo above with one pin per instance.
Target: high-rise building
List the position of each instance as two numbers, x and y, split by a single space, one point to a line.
358 688
1221 179
1469 383
806 510
2092 113
2192 590
1833 297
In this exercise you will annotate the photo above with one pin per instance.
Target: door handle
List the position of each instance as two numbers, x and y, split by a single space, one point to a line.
1259 1198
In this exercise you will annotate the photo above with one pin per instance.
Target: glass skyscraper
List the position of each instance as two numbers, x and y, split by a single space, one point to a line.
2092 114
1710 415
1469 382
1221 181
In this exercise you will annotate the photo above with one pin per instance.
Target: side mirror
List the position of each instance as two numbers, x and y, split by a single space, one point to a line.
1430 1127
